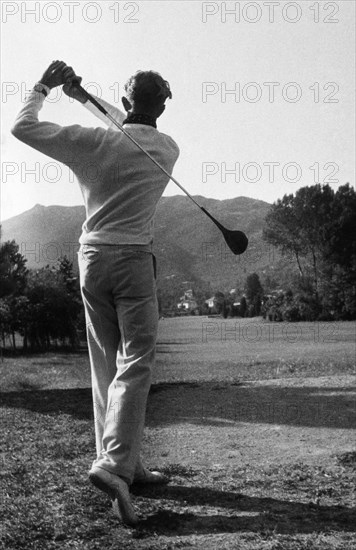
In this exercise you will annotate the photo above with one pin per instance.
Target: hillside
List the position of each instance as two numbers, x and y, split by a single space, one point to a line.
188 246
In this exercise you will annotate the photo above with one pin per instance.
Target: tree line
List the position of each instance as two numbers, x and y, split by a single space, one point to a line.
41 307
315 228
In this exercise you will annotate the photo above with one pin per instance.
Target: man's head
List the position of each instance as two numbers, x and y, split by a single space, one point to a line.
146 93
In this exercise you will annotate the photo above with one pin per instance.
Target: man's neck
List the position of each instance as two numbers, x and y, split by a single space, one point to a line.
140 118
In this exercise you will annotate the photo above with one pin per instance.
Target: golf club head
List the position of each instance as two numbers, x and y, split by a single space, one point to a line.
236 241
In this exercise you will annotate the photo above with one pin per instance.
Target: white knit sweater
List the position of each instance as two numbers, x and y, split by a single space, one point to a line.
120 185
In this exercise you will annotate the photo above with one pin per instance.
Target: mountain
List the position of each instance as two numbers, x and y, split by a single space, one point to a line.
188 246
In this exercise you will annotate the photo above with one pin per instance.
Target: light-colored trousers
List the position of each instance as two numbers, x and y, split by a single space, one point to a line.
119 293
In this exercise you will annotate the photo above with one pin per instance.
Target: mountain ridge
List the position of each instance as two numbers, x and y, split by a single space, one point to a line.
187 244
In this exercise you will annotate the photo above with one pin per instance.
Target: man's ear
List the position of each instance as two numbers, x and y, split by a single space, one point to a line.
127 105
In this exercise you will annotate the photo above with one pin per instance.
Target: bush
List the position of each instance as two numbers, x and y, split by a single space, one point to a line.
326 316
291 313
285 307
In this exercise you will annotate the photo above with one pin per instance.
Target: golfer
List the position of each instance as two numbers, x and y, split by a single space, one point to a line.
121 188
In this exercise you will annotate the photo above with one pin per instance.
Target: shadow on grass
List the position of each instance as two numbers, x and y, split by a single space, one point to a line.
246 513
77 401
63 350
221 403
209 403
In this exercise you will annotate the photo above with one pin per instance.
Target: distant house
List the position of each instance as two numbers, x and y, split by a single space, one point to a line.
211 305
187 303
274 294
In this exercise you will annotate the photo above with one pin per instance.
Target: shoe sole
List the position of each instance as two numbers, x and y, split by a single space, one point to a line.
100 484
121 508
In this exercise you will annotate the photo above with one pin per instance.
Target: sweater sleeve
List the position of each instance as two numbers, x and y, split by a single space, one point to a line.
113 111
62 143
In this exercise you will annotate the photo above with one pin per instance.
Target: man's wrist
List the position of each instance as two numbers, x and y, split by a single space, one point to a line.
42 87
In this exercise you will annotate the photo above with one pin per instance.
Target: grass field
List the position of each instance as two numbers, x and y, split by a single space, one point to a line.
253 421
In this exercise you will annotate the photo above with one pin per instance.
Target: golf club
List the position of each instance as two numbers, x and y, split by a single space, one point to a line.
235 240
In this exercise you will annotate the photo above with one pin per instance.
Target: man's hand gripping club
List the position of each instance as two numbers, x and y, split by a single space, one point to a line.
58 74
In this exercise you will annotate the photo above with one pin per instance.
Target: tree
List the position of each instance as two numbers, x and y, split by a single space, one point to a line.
13 277
253 287
202 291
298 225
65 274
313 208
42 306
219 302
243 307
19 315
254 294
13 271
54 310
282 229
318 227
5 320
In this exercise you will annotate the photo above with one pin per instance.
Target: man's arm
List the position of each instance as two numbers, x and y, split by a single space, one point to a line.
63 143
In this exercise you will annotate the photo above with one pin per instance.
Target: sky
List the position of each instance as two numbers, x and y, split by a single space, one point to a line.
263 92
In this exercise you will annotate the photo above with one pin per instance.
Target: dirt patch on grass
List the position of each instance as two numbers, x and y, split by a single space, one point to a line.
257 440
239 478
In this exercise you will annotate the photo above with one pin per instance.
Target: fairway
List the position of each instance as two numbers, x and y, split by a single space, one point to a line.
211 348
254 421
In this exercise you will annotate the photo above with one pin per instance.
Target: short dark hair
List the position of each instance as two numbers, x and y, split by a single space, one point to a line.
147 88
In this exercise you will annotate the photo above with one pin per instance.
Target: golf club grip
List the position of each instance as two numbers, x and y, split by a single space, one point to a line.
89 97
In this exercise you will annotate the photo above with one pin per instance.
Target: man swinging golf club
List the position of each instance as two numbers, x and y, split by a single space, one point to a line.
121 188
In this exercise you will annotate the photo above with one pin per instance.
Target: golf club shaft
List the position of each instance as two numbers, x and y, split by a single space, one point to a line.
104 111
